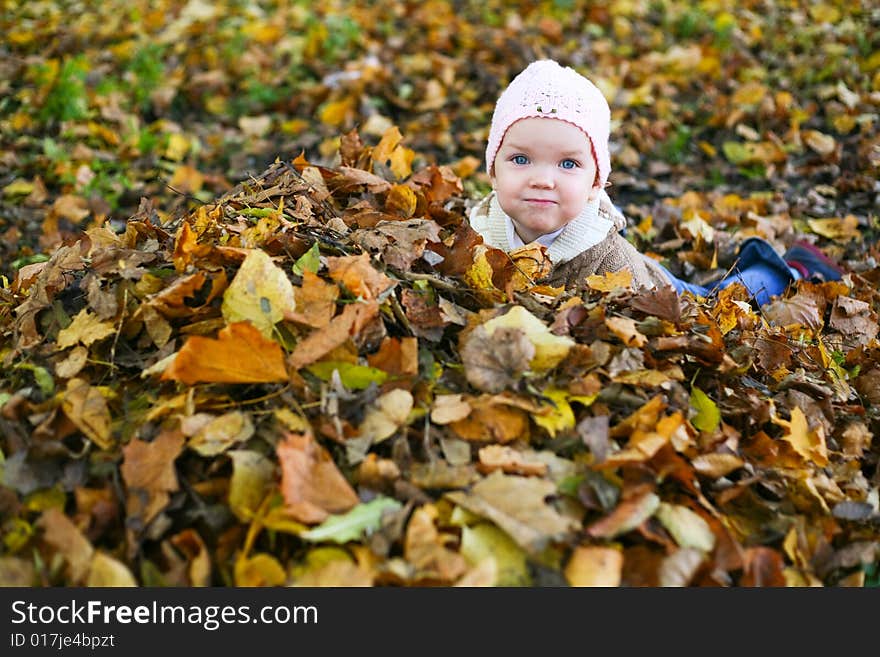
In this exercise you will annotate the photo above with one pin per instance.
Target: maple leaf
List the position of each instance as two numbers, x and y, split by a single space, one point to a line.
86 329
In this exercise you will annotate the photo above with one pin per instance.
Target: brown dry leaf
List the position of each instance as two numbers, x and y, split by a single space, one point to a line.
497 361
397 356
72 364
493 419
594 566
799 310
717 464
386 415
221 433
66 539
626 516
511 461
240 354
350 176
449 408
625 329
86 407
425 549
855 319
518 506
149 475
190 544
763 567
315 301
526 265
340 329
86 329
312 485
358 275
172 300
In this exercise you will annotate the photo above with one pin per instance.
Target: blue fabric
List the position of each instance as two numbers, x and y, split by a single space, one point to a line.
760 269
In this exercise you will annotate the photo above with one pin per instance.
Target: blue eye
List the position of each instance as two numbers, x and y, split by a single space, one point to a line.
519 159
568 164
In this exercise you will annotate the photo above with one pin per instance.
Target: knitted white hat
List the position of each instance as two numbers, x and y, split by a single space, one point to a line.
547 90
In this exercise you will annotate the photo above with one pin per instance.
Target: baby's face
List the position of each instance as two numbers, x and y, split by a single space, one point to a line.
544 175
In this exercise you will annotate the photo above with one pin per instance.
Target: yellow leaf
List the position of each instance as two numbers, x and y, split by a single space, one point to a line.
557 416
335 113
486 541
85 328
594 566
401 162
177 148
252 477
107 571
839 230
383 150
809 444
401 200
186 179
751 93
260 293
611 280
18 187
550 349
688 528
86 407
259 570
821 143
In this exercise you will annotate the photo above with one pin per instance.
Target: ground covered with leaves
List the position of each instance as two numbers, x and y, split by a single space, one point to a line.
249 339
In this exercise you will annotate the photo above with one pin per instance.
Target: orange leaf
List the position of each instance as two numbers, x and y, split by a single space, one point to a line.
240 354
148 472
336 333
315 301
358 275
312 485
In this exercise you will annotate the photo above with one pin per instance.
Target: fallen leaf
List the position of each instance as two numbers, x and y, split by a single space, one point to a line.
260 294
149 475
312 485
239 354
67 540
687 527
485 541
253 475
86 329
87 408
594 566
518 506
353 525
626 516
221 433
386 415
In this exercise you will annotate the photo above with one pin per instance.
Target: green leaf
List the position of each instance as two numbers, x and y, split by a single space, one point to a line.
352 525
485 540
353 377
41 376
308 261
708 416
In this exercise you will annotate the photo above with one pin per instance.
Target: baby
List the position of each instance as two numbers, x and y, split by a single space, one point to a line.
548 160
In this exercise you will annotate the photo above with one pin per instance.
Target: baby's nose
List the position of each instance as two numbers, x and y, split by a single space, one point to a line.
541 177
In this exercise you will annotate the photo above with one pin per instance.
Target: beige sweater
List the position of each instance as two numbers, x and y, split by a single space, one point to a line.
576 253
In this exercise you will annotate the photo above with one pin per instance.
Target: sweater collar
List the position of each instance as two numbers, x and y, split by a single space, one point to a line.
584 231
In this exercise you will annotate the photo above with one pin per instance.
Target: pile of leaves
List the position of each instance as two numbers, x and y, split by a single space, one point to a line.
319 375
325 378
